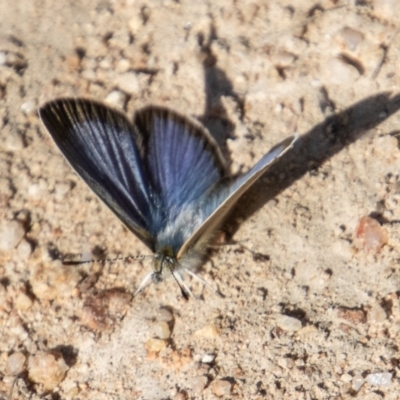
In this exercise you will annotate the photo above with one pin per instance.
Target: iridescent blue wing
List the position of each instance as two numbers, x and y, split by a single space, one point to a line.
105 149
183 161
215 207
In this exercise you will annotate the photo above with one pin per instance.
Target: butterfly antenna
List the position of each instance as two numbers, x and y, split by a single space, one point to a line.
105 260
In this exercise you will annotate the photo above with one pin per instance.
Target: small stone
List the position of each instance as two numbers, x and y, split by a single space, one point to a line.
11 233
154 345
208 331
373 235
47 369
346 378
15 363
198 384
382 379
357 382
377 314
162 330
28 107
23 302
355 317
128 83
12 140
61 189
208 358
307 330
287 323
338 72
52 280
164 315
116 98
123 65
24 249
221 388
351 37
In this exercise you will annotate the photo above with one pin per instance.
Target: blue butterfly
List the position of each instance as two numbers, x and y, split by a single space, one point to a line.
163 175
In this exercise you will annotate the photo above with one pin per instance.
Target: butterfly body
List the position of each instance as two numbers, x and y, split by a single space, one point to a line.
162 174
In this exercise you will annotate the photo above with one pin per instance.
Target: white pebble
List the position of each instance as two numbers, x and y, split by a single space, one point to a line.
15 363
61 189
11 233
382 379
288 323
128 83
3 58
116 98
358 381
28 107
208 358
123 65
24 249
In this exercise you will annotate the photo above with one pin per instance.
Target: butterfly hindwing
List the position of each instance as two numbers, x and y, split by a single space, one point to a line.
105 150
216 207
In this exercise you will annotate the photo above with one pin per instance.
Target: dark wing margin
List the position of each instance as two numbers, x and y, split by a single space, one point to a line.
104 148
225 198
182 160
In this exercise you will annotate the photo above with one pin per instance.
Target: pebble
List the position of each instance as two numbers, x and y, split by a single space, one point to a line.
357 382
382 379
28 107
351 37
338 72
24 249
23 302
128 83
165 315
116 98
13 141
208 358
154 345
373 235
11 233
15 363
221 388
162 330
377 314
47 369
54 280
287 323
208 331
198 384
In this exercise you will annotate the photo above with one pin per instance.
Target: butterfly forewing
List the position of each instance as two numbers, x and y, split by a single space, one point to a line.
221 202
104 149
183 161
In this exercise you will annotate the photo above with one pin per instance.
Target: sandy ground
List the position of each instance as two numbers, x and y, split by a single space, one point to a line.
309 269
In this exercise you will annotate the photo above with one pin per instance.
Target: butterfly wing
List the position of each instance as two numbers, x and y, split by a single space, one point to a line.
221 202
105 149
183 162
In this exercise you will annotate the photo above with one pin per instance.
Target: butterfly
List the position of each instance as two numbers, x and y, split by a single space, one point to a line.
162 174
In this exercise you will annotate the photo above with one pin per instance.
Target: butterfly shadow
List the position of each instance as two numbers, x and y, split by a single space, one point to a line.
315 147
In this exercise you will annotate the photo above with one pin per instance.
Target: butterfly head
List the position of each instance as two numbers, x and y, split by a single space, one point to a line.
164 263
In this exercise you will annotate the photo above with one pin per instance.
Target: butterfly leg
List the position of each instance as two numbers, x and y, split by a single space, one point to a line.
145 282
205 283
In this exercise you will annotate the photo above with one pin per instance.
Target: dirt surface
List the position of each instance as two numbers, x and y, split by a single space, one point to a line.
309 266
